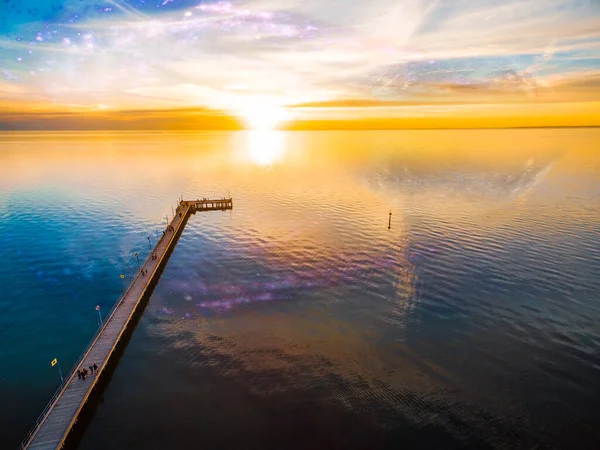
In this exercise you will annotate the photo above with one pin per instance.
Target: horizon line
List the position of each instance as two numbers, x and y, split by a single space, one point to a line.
167 130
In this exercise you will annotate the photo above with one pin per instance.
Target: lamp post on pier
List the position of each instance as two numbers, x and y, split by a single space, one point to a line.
121 280
55 362
99 315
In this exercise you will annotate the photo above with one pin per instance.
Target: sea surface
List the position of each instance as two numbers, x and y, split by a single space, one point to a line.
300 320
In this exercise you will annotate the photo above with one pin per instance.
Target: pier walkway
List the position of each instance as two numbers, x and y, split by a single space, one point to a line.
56 422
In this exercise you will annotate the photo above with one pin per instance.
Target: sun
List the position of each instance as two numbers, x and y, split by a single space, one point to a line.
263 115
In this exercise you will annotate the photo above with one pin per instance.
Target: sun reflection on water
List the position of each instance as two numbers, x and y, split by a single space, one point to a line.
266 147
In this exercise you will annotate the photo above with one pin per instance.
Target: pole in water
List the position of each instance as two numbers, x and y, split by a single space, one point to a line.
390 221
167 219
156 234
121 279
149 243
138 260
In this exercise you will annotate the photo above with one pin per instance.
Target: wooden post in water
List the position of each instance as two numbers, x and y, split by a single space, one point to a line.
390 221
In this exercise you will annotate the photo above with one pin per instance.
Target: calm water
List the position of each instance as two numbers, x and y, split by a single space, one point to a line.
298 320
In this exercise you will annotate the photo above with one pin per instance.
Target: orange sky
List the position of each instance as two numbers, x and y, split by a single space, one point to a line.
300 65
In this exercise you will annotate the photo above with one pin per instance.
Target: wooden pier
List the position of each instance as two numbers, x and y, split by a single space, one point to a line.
206 204
57 421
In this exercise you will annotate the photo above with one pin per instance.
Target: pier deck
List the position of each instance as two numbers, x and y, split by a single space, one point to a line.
57 421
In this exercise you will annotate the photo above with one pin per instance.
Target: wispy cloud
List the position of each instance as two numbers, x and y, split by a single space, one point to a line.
223 54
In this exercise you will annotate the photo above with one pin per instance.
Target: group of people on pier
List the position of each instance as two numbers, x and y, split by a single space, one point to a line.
83 372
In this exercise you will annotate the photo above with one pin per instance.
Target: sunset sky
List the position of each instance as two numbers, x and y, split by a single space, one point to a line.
299 63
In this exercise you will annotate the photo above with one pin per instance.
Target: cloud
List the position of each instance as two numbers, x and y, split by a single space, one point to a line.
96 118
222 54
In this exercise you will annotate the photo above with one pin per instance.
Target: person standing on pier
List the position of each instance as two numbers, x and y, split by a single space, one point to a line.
91 369
95 368
79 374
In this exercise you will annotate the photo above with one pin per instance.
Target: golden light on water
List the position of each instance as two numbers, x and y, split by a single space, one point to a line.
265 146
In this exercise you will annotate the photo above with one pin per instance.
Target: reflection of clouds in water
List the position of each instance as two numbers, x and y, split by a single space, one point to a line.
501 184
198 297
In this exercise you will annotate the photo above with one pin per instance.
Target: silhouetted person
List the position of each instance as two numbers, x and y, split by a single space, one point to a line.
79 374
95 368
91 370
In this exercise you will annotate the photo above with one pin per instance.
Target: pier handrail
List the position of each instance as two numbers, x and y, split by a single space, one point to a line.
71 372
51 429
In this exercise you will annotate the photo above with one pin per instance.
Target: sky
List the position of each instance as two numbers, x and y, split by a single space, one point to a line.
299 63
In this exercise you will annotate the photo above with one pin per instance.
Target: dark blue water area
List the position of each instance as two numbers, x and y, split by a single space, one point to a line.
238 349
61 258
299 320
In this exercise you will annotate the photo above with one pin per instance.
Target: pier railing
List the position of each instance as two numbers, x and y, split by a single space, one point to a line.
47 414
74 367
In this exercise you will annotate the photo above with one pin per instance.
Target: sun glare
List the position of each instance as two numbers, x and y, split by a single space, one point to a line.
263 115
266 146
